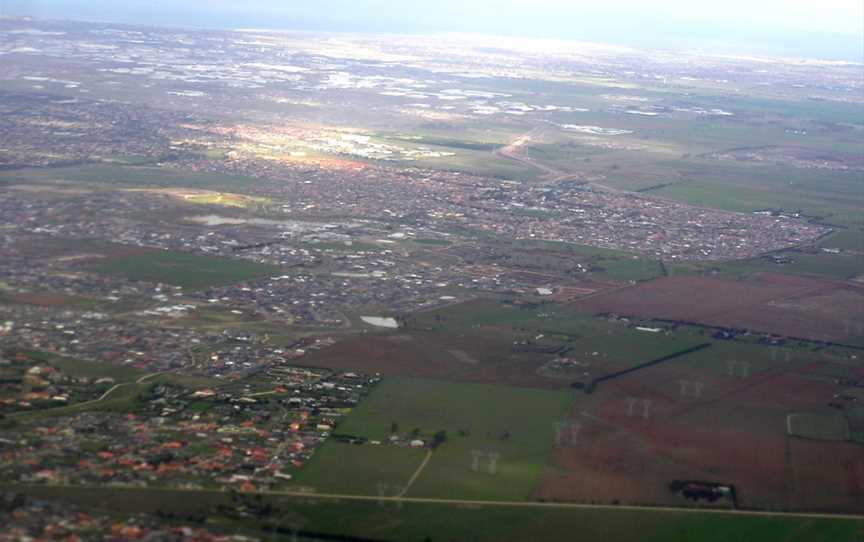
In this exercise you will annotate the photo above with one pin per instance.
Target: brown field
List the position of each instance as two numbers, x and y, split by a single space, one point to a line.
779 304
50 248
42 300
632 460
826 476
735 433
480 356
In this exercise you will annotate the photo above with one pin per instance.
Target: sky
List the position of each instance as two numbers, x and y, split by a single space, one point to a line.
798 28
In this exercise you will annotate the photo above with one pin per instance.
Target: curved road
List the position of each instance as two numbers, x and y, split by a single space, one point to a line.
115 387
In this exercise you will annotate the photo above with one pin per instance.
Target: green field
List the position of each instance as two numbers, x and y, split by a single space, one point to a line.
517 424
830 426
359 469
10 297
758 357
130 176
834 196
191 271
481 163
80 368
752 198
850 239
453 143
561 324
602 263
122 399
836 266
80 396
419 522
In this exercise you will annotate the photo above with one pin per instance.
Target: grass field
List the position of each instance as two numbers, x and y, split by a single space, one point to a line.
517 424
850 239
80 368
745 199
836 266
10 297
80 397
416 522
359 470
135 176
835 196
602 263
190 271
481 163
585 334
758 357
124 397
833 426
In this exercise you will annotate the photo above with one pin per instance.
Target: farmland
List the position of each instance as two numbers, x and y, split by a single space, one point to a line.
818 427
128 176
337 286
474 342
379 470
413 521
718 414
771 303
515 424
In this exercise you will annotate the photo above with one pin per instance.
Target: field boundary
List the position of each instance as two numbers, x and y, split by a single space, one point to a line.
593 385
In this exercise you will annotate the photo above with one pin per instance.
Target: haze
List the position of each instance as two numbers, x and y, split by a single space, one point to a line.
830 29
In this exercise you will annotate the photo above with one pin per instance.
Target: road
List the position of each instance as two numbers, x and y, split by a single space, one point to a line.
550 174
513 151
114 388
502 504
416 475
565 506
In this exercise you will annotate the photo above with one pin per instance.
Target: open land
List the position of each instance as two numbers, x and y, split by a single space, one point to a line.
779 304
304 286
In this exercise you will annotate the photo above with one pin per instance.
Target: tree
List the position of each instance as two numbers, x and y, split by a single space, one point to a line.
439 439
394 428
415 432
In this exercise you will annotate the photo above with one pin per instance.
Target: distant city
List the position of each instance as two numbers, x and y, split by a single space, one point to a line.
291 285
